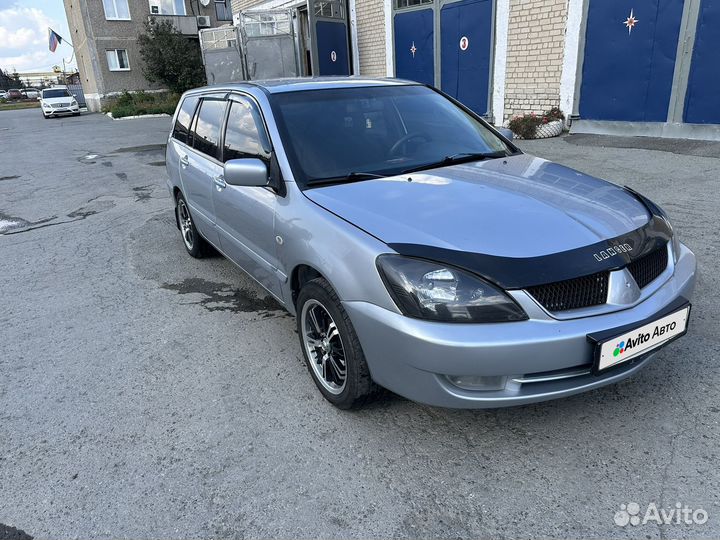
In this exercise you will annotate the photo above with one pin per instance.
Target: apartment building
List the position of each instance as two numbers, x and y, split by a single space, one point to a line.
104 34
612 66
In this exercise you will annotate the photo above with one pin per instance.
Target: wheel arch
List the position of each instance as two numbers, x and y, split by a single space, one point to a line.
176 191
300 275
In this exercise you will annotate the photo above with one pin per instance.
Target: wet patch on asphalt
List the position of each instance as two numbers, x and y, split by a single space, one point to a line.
12 533
143 193
82 214
121 175
107 164
225 297
11 177
16 225
12 224
89 159
141 149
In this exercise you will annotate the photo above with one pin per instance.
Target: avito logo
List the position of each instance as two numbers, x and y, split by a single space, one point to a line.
631 342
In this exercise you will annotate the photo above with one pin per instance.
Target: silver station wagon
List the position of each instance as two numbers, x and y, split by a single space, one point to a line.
419 248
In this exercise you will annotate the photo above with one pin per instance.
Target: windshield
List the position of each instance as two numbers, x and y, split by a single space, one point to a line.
57 92
381 130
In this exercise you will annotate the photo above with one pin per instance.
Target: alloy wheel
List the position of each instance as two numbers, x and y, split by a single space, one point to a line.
186 227
324 346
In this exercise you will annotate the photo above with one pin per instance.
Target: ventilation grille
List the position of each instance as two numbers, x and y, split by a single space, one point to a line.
649 267
574 293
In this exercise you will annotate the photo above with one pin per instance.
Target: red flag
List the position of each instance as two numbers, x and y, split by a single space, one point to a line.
53 40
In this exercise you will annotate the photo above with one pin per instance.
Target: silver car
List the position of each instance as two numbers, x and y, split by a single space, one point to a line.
420 249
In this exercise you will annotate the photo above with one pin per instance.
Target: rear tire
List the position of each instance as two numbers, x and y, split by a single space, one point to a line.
332 349
195 244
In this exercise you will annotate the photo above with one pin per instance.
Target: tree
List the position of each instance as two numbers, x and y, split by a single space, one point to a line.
16 82
170 58
5 83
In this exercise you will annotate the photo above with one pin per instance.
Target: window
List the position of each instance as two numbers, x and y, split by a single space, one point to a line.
167 7
266 24
245 134
207 126
404 4
116 10
222 10
181 130
118 60
55 93
329 9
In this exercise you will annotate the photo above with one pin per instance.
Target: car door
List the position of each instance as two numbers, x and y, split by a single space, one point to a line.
245 216
200 166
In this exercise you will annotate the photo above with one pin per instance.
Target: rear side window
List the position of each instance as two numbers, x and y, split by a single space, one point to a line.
207 126
245 133
184 117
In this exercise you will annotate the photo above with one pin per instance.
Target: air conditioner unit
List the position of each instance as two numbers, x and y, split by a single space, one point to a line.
154 7
203 21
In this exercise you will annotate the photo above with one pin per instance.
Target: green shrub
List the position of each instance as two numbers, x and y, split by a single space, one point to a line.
141 103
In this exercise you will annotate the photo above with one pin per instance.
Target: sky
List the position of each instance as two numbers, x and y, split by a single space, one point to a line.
24 35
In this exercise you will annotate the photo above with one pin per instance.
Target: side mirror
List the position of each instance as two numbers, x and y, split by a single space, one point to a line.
246 172
505 132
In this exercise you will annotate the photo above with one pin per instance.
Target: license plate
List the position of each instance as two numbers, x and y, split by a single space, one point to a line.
643 339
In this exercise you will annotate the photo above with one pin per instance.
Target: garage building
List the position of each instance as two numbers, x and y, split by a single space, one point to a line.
613 66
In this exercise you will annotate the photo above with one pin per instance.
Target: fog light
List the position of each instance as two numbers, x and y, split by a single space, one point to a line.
482 384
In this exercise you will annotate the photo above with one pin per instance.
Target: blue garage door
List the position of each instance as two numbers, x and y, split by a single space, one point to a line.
332 48
702 101
414 47
630 50
465 48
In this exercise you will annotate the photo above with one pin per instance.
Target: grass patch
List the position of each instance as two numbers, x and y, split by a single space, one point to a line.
16 105
141 103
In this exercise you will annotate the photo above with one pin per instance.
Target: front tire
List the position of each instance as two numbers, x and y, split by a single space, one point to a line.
332 349
195 244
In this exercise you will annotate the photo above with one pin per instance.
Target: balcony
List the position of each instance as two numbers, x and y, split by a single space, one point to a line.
185 24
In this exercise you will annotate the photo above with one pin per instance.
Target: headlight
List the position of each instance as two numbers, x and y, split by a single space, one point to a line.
73 102
428 290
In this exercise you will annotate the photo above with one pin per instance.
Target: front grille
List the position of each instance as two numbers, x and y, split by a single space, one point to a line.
59 105
647 268
574 293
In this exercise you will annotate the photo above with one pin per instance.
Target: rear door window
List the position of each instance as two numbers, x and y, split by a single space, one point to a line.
184 117
245 134
207 126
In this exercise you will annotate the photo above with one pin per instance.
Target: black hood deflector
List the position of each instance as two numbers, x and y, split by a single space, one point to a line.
523 272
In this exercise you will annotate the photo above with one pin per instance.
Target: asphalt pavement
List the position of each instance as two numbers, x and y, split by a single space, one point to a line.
145 394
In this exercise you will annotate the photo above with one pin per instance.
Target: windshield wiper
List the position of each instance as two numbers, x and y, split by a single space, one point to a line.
352 177
461 157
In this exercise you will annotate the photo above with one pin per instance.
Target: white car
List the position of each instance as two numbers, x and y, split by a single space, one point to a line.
3 94
31 93
58 100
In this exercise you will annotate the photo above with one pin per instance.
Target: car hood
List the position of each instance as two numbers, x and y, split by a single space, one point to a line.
522 206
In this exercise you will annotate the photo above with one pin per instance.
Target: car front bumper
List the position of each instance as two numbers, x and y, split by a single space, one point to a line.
535 360
61 110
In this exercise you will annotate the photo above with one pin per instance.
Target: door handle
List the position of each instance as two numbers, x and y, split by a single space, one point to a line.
220 182
184 161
